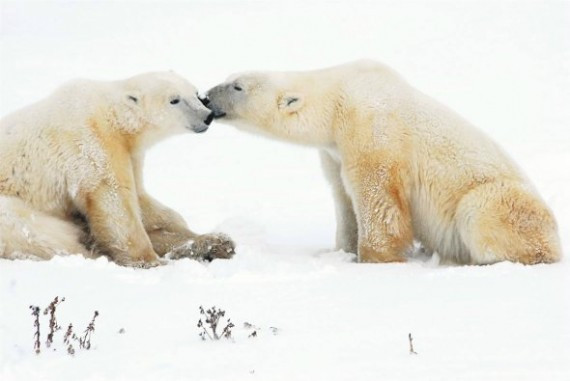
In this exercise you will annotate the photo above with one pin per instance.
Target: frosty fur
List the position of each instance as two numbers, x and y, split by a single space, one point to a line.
80 152
401 165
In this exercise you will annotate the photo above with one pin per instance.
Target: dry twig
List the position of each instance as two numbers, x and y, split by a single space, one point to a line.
85 341
36 315
411 340
53 326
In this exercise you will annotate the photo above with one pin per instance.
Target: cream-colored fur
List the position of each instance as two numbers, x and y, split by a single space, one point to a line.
80 152
401 165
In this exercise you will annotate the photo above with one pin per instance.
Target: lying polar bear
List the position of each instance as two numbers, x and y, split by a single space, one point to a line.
401 165
71 172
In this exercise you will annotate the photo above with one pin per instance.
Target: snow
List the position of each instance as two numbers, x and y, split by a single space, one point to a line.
502 65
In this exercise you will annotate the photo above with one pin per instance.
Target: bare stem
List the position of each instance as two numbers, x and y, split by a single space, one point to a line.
36 314
411 340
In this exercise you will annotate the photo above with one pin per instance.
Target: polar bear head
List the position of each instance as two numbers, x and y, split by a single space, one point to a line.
297 107
164 102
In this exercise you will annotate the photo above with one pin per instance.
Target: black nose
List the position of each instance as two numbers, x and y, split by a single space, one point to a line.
209 118
205 100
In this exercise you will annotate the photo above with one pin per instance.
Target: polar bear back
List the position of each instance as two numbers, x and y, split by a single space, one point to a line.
47 149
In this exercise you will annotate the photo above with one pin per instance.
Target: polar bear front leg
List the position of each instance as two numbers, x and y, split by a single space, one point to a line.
346 225
165 227
116 225
169 233
384 223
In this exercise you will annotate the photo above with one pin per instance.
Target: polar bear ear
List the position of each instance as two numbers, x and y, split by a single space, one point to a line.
290 102
133 97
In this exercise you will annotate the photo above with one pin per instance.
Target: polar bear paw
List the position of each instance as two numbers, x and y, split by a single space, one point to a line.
140 263
206 247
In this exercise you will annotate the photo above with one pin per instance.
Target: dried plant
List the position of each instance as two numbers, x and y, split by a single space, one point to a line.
411 340
204 331
227 331
53 326
255 330
85 341
69 335
210 324
36 315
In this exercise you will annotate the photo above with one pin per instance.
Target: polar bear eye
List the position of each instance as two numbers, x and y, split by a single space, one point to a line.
291 100
237 88
175 101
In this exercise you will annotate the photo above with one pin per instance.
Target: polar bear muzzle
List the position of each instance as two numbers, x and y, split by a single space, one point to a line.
221 100
199 117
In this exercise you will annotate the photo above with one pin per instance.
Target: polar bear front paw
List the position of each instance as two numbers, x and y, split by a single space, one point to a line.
147 265
206 247
140 263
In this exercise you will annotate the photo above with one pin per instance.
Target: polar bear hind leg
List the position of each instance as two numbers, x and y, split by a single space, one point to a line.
28 233
503 221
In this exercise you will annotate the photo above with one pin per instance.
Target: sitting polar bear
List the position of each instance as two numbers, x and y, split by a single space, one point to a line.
402 166
71 172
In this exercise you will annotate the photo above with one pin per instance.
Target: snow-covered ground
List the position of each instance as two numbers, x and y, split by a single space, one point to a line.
503 65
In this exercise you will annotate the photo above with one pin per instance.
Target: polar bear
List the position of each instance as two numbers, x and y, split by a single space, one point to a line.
402 166
71 178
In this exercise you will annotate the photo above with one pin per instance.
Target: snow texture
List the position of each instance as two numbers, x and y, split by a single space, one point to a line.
502 65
